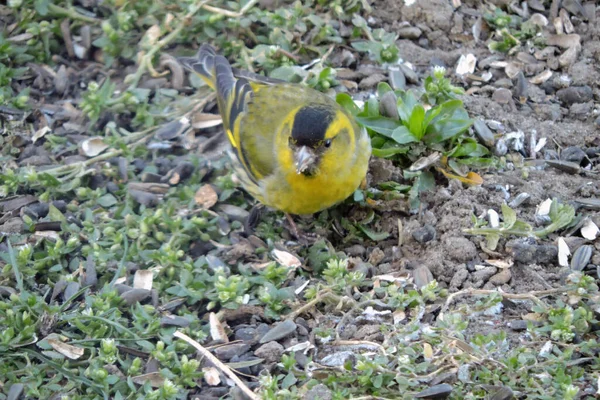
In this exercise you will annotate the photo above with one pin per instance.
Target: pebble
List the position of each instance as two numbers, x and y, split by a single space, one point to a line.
533 254
518 325
484 133
484 274
409 32
501 278
280 331
271 352
371 81
441 391
575 94
573 154
228 351
581 111
502 96
460 249
460 276
356 250
424 234
422 276
319 392
246 334
135 295
337 359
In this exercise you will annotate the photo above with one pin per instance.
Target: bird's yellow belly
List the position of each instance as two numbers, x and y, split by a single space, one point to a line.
299 194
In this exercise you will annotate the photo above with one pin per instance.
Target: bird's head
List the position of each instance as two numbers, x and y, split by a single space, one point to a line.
322 138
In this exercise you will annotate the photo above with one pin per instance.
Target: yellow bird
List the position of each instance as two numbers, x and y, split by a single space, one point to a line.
296 149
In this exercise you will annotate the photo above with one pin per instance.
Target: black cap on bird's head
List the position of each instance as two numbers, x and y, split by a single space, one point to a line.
308 136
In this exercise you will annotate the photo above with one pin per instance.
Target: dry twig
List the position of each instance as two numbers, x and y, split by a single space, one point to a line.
217 363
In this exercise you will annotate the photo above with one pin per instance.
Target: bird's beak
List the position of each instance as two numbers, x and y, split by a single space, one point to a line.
304 158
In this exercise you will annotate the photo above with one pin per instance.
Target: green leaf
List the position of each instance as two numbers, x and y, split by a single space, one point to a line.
509 216
415 122
447 126
492 241
387 152
374 236
373 107
469 148
41 6
288 381
358 196
344 100
402 135
406 102
382 125
55 215
426 181
108 200
383 88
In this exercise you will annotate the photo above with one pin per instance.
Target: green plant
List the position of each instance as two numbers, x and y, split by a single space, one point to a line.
561 215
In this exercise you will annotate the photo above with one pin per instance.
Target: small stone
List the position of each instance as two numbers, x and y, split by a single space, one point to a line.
502 277
518 325
376 256
424 234
338 359
227 351
319 392
484 274
460 249
568 58
460 276
502 96
573 154
409 32
575 94
581 111
371 81
356 250
484 134
271 352
71 289
422 276
280 331
246 334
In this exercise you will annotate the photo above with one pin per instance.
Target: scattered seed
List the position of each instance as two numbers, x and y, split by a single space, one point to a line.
581 257
563 253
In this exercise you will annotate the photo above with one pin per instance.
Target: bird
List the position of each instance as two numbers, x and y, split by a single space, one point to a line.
294 148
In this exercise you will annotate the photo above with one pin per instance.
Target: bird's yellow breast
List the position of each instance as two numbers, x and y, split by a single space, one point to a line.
335 181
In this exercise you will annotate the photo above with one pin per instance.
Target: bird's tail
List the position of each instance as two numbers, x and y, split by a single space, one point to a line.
232 93
202 64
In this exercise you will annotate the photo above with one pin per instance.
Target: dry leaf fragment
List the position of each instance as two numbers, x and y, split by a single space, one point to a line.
286 259
206 197
211 376
472 178
544 208
154 378
217 331
466 64
143 279
40 133
589 230
93 146
206 120
67 350
427 351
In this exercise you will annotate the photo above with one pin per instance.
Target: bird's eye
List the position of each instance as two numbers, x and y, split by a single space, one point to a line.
328 143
